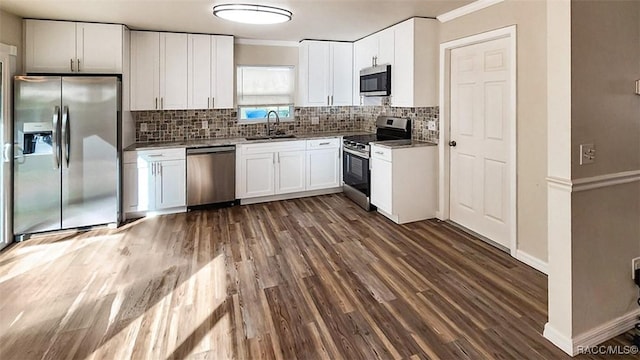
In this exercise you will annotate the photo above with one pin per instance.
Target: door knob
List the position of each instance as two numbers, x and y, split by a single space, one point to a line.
452 143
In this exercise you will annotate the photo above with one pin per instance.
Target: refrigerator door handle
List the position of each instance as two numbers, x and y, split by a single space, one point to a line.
55 143
66 137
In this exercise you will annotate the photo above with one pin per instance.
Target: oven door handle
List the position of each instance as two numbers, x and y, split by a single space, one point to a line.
356 153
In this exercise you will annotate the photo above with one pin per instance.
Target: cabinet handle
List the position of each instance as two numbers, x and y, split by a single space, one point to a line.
213 102
208 101
328 100
278 158
379 153
332 100
78 60
71 62
324 143
161 103
156 103
153 169
160 168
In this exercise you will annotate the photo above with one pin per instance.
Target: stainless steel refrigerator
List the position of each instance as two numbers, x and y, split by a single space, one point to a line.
66 159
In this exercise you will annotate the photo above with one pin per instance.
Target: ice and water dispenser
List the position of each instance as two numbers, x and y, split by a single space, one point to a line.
37 138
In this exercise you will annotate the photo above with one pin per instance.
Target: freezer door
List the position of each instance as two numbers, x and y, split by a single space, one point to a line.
36 185
89 151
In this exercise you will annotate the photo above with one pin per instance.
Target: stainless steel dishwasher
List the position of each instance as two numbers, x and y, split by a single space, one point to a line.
211 175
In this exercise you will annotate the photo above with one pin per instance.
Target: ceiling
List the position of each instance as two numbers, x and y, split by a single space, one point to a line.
346 20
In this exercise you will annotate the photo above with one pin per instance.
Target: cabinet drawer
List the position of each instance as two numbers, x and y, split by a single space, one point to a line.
275 146
323 143
162 154
381 153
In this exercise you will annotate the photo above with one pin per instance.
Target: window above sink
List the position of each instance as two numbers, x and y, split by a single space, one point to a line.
261 89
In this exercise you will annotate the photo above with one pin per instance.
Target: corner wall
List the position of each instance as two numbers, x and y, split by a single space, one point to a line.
605 53
530 20
11 34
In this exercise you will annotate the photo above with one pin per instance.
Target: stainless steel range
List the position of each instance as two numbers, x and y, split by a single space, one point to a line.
356 154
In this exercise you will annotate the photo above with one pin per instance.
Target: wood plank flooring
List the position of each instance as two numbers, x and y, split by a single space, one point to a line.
313 278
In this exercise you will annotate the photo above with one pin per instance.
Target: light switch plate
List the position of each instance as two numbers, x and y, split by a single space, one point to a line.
315 120
144 127
205 124
431 125
587 154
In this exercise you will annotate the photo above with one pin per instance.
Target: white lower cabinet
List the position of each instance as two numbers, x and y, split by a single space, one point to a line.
324 168
290 173
154 180
287 167
404 182
257 175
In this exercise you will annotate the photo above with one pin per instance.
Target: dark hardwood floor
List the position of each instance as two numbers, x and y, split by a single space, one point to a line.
313 278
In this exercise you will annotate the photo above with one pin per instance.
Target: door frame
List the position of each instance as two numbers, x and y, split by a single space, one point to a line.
8 54
444 155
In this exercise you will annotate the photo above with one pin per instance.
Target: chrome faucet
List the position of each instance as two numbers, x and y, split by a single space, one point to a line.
277 121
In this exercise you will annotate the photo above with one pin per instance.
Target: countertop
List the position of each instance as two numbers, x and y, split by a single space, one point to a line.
399 144
235 141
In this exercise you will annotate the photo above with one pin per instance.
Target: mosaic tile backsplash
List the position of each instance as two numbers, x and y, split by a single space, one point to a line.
181 125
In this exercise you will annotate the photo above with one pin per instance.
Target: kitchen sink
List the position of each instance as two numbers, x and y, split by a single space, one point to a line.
272 137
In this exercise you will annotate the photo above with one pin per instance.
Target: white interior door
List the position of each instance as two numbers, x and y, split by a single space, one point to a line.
481 121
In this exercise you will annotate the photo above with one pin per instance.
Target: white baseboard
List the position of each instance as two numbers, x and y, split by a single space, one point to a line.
606 331
532 261
593 337
289 196
559 340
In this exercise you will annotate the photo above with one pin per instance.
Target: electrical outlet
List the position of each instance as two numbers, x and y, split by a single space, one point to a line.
205 124
315 120
431 125
144 127
587 154
635 264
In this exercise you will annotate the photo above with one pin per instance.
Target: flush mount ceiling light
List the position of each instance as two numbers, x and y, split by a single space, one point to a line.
252 14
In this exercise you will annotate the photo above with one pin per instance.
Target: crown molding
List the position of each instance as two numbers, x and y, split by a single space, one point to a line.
467 9
259 42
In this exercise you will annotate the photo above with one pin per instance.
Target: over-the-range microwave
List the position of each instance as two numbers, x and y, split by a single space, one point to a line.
375 81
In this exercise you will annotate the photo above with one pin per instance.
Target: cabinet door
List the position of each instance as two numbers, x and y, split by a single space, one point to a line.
402 73
317 72
173 71
99 48
199 71
386 46
145 70
130 187
323 169
290 176
50 46
256 175
381 185
222 79
145 185
171 188
363 52
341 74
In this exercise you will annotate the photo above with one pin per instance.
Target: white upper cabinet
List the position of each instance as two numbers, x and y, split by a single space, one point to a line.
341 74
210 72
158 71
386 46
145 70
173 71
325 73
414 74
70 47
